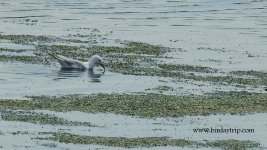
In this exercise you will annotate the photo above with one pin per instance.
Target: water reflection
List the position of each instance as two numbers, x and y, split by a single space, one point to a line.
68 73
95 77
74 73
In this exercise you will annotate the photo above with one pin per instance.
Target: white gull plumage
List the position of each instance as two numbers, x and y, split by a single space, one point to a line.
69 63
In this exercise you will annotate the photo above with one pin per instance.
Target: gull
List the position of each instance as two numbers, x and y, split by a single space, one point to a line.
69 63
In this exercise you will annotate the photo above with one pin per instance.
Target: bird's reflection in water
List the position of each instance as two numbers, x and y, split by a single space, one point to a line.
95 77
73 73
68 73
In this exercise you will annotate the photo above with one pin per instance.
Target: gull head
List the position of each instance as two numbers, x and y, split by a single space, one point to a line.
95 60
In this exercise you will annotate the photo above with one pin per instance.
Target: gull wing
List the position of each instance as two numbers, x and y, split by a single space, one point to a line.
68 62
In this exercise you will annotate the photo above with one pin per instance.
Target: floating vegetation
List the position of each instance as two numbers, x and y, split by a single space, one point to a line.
132 48
178 67
162 88
132 58
233 144
227 80
129 47
50 145
151 142
39 118
24 59
27 39
19 132
213 49
12 50
174 72
257 74
114 141
37 39
146 105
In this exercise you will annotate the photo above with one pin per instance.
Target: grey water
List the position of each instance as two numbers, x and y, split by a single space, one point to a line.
228 35
28 79
224 34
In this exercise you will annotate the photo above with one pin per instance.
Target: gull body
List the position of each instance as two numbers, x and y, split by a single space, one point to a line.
69 63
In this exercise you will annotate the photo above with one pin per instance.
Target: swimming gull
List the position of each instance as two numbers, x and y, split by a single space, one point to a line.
69 63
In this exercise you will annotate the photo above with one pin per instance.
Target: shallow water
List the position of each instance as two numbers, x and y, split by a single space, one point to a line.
111 125
30 79
19 80
238 27
222 34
